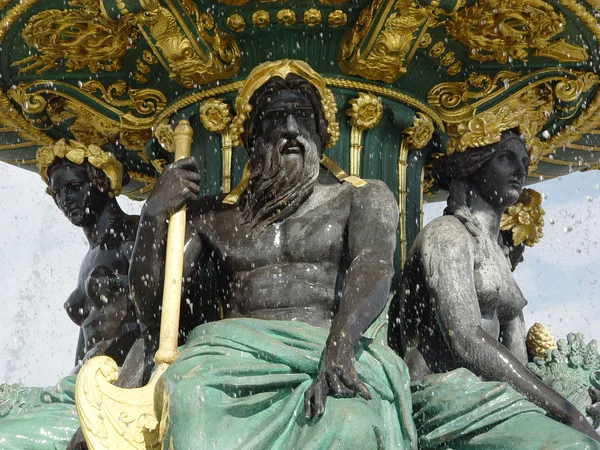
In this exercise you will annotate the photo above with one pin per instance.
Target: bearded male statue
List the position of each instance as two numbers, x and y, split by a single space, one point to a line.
304 265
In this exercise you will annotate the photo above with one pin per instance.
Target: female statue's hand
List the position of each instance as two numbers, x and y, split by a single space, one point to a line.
176 187
338 378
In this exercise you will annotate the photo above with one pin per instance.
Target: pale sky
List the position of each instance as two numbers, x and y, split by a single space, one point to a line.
40 253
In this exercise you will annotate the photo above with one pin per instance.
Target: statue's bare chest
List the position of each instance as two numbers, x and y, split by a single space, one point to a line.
315 233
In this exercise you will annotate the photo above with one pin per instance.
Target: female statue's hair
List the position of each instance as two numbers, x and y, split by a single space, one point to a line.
97 178
454 172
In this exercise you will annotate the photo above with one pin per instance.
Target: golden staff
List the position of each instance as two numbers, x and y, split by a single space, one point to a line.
125 419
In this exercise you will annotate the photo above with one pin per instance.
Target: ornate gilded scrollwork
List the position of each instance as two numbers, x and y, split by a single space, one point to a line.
211 55
383 40
558 94
112 417
365 112
216 117
504 30
80 37
144 101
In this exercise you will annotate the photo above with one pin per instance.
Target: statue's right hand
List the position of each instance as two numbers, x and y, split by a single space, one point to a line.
176 187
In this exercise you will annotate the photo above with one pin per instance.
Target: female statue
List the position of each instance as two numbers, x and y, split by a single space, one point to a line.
460 318
83 181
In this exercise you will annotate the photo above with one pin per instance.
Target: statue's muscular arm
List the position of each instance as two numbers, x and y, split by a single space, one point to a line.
448 271
371 232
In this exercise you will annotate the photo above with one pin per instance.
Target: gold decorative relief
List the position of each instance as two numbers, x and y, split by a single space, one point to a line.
286 17
504 30
312 17
525 219
365 112
539 340
216 117
113 417
382 41
166 137
212 55
337 18
420 132
144 101
236 23
261 18
81 37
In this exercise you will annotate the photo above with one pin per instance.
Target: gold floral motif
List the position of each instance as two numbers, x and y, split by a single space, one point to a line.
365 112
447 59
502 30
282 68
139 78
381 49
261 18
454 69
236 23
312 17
149 57
525 219
142 67
81 37
437 50
77 153
286 17
214 56
216 117
337 18
420 132
166 137
425 40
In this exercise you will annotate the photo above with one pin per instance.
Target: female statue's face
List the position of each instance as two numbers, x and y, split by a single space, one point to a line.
500 180
74 195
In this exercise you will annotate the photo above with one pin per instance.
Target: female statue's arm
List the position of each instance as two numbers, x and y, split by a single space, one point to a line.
448 262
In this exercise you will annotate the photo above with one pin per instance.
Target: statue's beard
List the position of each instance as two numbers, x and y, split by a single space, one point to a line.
278 183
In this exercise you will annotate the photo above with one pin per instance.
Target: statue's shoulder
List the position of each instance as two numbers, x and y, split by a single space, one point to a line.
375 195
444 231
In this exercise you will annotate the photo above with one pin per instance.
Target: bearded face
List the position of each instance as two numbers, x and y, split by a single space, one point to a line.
284 160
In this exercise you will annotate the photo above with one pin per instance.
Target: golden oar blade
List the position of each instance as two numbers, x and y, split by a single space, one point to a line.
114 418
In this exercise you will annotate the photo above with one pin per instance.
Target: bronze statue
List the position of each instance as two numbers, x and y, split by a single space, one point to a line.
83 181
304 267
85 192
458 298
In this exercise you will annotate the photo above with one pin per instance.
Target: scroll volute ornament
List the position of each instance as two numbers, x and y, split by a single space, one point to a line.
365 112
211 55
216 117
504 30
382 41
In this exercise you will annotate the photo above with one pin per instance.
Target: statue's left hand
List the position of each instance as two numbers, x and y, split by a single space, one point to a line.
338 378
